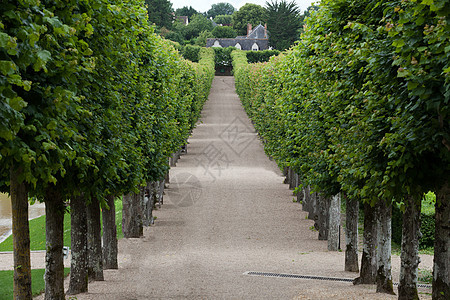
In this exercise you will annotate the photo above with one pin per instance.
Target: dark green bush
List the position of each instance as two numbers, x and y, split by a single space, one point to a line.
260 56
191 52
223 56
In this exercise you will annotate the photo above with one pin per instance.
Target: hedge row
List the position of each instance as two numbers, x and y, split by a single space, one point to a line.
92 104
360 106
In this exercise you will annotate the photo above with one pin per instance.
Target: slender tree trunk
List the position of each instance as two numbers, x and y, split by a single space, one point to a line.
78 266
323 206
368 271
407 288
286 174
110 248
21 237
161 191
95 257
441 270
334 217
132 226
351 234
384 235
312 212
148 205
54 229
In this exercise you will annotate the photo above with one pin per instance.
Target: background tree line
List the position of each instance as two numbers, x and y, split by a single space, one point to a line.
283 18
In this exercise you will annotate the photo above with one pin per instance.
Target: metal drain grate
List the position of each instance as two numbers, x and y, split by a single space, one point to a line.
296 276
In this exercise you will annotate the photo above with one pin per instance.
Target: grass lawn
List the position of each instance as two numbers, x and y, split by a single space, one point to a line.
37 231
37 282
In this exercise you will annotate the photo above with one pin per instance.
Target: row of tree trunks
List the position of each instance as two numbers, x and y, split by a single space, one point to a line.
351 234
21 237
323 220
441 269
95 257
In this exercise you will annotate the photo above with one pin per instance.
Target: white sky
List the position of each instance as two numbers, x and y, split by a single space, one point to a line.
205 5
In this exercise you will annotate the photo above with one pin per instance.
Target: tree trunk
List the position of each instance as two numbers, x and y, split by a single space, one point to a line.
132 226
407 288
312 206
21 237
384 234
78 266
351 233
286 174
441 270
292 179
323 206
110 248
334 217
368 271
54 229
94 238
147 205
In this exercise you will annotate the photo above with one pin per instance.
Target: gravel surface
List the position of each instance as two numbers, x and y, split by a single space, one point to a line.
226 212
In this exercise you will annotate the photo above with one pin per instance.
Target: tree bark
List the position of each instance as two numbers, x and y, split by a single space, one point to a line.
95 257
334 222
312 206
21 237
384 235
78 266
110 247
132 226
368 271
323 206
407 288
351 234
441 269
54 229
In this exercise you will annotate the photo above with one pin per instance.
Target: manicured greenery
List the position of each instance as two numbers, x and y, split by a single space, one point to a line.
37 282
260 56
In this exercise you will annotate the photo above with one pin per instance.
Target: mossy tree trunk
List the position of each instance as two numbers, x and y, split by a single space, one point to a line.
441 269
334 223
21 237
409 267
54 230
78 266
95 257
351 234
384 237
110 248
367 274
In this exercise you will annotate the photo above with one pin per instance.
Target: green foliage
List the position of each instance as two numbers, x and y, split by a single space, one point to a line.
360 105
221 8
223 56
198 24
283 21
160 12
224 32
249 13
261 56
224 19
203 36
37 282
186 11
191 52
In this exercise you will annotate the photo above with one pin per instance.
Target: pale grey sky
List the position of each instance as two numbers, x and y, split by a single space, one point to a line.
205 5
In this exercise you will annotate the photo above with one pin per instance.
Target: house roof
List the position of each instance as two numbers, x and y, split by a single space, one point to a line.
246 43
258 33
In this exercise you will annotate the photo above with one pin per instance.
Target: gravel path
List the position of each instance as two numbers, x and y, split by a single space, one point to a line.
227 212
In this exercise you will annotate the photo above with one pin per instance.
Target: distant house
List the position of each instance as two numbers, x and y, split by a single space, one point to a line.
184 20
255 40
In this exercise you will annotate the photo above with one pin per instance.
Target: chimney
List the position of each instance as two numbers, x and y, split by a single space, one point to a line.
265 30
249 29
